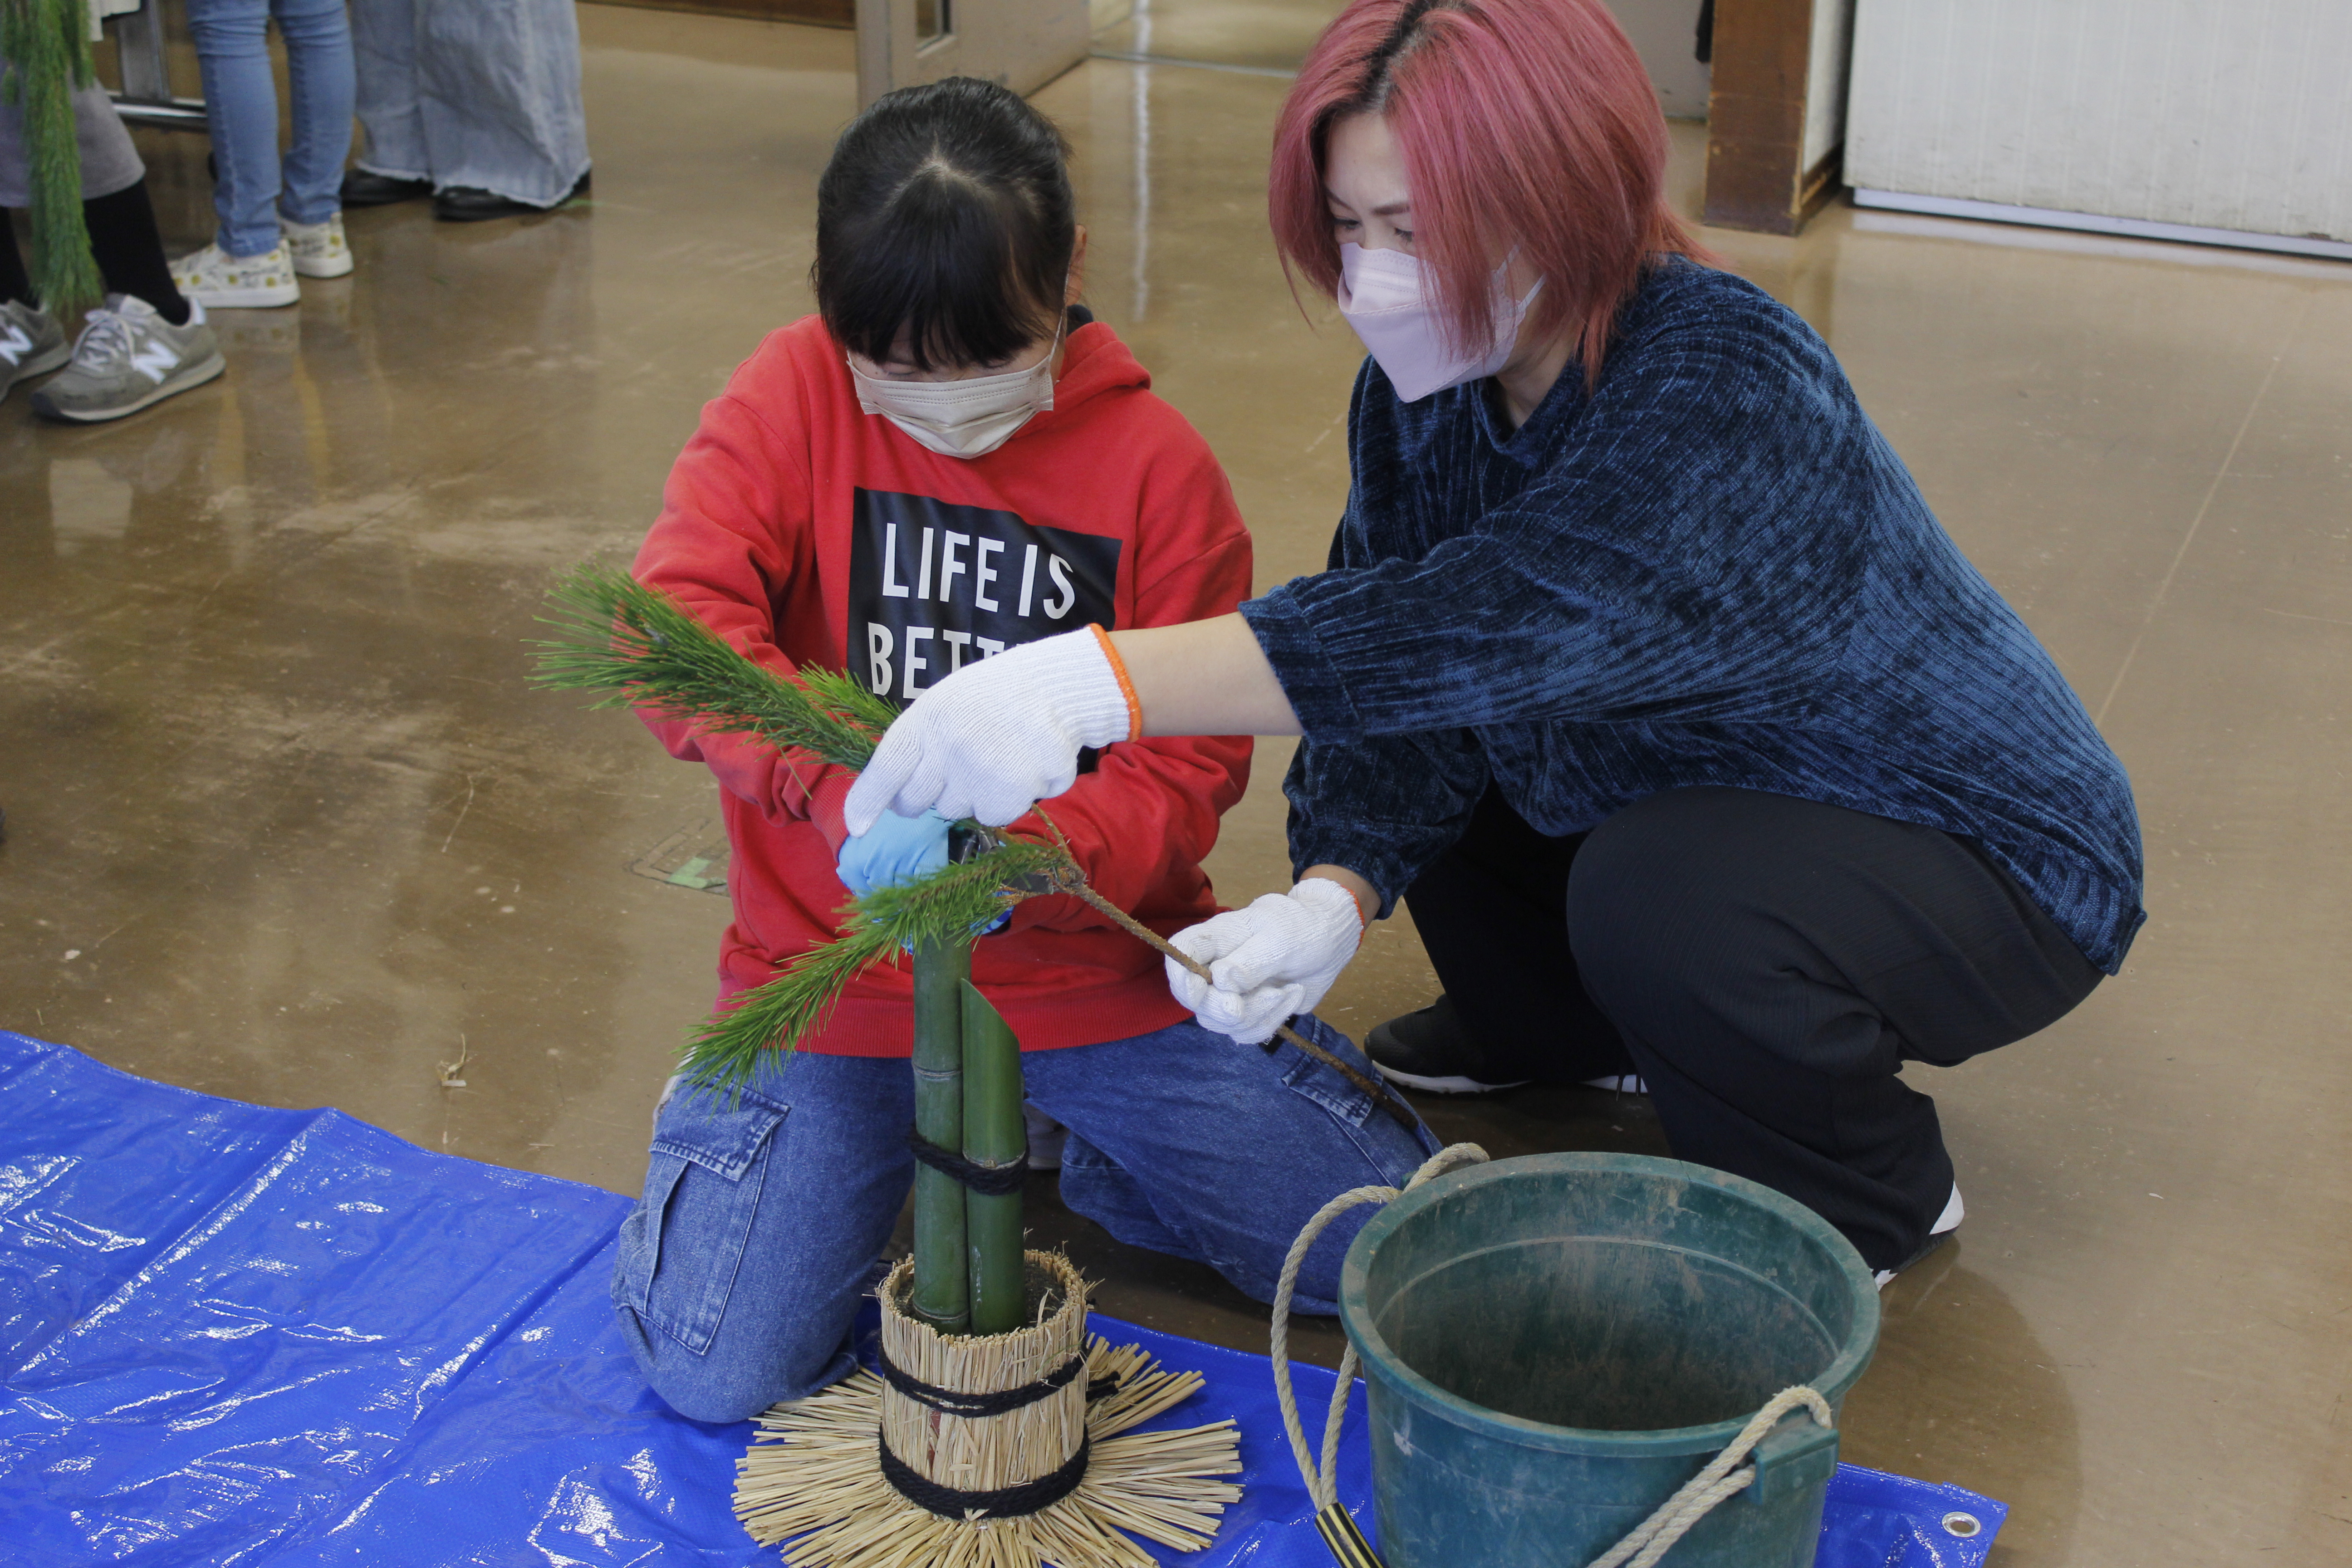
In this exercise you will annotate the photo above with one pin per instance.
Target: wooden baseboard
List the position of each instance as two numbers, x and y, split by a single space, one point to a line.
814 13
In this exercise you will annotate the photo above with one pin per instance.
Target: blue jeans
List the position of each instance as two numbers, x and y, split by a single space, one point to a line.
251 187
741 1272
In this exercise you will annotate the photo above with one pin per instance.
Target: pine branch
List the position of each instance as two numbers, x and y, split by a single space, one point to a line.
44 57
949 905
641 649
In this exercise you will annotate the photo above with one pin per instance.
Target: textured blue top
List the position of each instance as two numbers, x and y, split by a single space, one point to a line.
1712 570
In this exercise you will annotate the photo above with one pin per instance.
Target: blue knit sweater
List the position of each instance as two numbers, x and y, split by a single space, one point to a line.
1712 570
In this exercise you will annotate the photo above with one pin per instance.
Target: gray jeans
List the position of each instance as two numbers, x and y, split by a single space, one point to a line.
109 162
479 93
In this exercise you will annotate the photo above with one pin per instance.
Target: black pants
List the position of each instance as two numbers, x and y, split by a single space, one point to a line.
1768 966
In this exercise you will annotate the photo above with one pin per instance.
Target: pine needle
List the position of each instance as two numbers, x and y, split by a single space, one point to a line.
949 904
642 648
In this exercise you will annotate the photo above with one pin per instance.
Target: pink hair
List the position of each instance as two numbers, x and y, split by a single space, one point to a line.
1527 123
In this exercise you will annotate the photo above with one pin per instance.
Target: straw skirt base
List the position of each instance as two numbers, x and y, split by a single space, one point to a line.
813 1482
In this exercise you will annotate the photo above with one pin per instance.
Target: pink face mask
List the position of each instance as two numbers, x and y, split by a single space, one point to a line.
1382 296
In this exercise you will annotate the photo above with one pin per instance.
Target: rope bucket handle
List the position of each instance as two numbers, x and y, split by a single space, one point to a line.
1724 1475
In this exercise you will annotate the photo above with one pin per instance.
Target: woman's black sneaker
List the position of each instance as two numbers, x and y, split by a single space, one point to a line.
465 203
1430 1050
1433 1051
362 189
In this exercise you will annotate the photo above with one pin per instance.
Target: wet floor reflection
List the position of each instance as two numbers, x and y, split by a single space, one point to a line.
1963 1391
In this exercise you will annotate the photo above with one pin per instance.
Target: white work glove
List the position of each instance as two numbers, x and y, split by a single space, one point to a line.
996 737
1269 960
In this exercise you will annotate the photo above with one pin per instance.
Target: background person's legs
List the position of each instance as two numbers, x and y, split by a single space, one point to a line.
740 1272
115 208
317 36
15 283
1188 1143
500 87
241 106
383 54
1772 962
130 250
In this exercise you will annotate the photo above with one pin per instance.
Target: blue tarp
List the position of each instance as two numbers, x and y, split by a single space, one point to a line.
235 1335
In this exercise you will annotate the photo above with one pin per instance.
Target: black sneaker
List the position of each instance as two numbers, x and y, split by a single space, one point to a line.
1431 1050
468 203
365 188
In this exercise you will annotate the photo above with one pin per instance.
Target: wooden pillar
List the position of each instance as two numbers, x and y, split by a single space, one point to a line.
1767 73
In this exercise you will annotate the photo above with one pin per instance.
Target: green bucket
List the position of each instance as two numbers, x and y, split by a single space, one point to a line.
1553 1345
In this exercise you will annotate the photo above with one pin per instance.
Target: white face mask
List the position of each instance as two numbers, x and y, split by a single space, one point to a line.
1381 294
961 418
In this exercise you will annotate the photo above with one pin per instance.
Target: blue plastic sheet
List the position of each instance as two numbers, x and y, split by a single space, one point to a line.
238 1336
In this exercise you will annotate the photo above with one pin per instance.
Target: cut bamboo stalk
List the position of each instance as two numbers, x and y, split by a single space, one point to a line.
994 1136
942 1295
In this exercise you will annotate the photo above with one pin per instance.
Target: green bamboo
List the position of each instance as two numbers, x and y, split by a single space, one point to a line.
994 1135
942 1294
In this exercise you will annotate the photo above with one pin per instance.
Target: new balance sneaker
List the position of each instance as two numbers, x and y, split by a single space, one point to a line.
31 341
1940 1233
127 358
318 249
220 281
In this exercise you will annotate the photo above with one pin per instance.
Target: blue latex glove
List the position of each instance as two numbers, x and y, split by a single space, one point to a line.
894 850
898 850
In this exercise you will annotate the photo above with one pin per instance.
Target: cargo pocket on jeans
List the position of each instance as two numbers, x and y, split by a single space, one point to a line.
1391 1151
680 1249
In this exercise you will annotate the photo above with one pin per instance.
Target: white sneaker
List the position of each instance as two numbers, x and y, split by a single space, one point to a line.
215 279
318 249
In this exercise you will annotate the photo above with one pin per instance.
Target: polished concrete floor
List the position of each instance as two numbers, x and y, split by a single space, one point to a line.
286 822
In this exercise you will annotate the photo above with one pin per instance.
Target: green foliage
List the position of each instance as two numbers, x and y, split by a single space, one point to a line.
641 649
44 55
947 906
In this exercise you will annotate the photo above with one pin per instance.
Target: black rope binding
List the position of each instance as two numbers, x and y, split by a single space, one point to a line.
949 1402
1007 1502
989 1181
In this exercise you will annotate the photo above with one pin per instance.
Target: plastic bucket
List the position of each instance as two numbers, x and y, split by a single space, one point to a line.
1552 1345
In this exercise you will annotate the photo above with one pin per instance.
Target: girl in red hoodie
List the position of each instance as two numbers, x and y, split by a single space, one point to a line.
953 458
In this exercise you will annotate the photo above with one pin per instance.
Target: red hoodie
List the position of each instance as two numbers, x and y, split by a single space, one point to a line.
807 532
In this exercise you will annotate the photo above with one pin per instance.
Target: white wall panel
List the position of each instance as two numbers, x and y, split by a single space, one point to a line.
1665 34
2232 114
1825 89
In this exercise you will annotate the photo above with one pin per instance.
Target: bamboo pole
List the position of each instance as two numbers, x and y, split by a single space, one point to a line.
993 1135
943 1291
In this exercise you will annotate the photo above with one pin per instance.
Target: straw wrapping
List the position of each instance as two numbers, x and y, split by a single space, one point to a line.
949 1402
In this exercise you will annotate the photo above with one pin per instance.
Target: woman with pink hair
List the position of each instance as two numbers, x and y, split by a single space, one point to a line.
1709 764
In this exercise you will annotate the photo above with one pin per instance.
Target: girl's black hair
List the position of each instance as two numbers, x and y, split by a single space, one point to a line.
945 213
